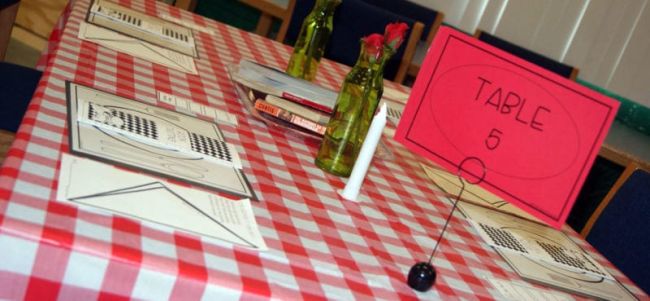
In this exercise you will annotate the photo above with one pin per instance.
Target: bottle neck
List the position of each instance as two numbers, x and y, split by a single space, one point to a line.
385 57
325 8
368 60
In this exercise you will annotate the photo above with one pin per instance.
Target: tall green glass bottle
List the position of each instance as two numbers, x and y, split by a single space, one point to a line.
313 37
374 95
359 95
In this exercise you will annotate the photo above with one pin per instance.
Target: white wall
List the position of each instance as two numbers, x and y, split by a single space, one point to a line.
608 40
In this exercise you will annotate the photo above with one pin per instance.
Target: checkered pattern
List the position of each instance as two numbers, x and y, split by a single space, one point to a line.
320 246
127 122
211 147
136 124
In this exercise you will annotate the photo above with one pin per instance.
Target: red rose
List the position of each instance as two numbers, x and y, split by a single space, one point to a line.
374 44
394 35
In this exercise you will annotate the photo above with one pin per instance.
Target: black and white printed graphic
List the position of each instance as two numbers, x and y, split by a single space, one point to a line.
142 126
210 147
142 26
124 121
539 247
141 136
544 255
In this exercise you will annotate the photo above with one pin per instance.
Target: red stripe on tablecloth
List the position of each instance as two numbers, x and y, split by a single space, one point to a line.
126 252
124 78
192 279
86 61
42 289
252 274
161 80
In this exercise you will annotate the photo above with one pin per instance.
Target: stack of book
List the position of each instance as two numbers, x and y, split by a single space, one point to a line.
281 99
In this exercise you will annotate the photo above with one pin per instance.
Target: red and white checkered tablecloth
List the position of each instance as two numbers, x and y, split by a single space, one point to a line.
320 246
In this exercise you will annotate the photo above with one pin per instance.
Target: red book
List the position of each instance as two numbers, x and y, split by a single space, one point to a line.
290 117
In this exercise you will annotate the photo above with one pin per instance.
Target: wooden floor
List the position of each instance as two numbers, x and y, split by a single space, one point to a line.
39 16
5 141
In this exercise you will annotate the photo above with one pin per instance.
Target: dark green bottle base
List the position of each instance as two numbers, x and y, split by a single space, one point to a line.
331 168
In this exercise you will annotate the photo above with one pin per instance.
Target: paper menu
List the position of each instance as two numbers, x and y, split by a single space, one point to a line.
137 48
450 184
141 26
395 95
566 280
141 127
186 105
565 277
534 133
116 147
543 244
518 292
188 24
140 196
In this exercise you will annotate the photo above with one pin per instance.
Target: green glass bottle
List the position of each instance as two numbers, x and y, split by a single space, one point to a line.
313 37
374 96
342 141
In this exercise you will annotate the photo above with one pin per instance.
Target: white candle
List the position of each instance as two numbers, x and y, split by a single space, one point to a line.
351 190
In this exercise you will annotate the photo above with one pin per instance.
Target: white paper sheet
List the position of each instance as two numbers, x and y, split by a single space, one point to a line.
187 24
182 104
142 26
137 48
87 182
392 94
529 267
450 184
518 292
97 142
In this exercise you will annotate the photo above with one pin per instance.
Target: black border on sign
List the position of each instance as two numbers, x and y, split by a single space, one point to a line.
594 146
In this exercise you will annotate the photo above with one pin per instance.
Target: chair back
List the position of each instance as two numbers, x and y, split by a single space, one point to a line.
353 20
619 229
17 85
432 19
269 9
554 66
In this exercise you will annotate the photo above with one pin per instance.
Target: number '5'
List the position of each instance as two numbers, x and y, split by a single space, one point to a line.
494 139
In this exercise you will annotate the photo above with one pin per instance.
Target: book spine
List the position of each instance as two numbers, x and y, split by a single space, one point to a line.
306 102
290 117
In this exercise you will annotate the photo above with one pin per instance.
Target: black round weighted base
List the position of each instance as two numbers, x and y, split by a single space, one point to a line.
422 276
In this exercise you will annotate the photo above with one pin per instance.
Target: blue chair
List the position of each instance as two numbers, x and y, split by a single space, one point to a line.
619 229
554 66
353 20
17 83
431 19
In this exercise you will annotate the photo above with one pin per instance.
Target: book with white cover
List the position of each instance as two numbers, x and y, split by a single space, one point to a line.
275 82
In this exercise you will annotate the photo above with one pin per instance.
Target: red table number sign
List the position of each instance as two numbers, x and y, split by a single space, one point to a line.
536 133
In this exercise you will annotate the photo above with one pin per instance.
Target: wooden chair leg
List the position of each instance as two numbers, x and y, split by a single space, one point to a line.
7 19
409 52
629 169
6 138
188 5
264 25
